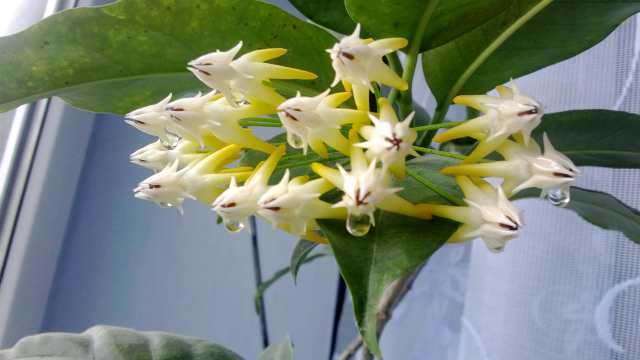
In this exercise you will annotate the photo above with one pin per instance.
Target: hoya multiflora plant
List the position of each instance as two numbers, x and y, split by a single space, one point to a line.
377 145
359 165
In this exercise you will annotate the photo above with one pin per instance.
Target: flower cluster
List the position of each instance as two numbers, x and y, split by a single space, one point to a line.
489 214
200 139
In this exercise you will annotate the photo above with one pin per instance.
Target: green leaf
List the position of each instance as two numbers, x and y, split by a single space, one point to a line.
395 247
329 13
393 18
294 160
263 286
528 35
118 57
106 342
301 252
602 210
280 351
594 137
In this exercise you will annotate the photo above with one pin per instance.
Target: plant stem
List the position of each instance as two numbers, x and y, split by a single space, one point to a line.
445 154
394 63
443 108
351 349
393 295
435 188
437 126
256 121
257 270
311 161
412 58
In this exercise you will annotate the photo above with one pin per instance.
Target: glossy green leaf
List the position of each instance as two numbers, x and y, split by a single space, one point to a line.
393 18
594 137
106 342
265 285
602 210
395 247
278 351
528 35
300 252
329 13
118 57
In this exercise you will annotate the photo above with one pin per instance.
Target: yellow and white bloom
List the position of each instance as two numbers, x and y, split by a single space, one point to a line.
201 180
157 155
245 75
388 139
489 216
512 113
366 188
224 122
525 167
152 120
238 202
294 205
188 119
358 62
195 118
314 121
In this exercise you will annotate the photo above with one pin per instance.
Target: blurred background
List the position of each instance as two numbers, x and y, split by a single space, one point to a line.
77 249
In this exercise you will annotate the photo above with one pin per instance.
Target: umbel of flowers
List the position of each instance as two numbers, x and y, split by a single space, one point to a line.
201 137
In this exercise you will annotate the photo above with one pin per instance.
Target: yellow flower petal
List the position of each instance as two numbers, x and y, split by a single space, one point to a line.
335 100
264 170
497 169
218 159
467 129
361 96
398 205
262 55
331 175
272 71
389 45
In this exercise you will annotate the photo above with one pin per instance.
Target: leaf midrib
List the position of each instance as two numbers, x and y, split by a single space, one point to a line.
615 152
67 89
633 218
485 54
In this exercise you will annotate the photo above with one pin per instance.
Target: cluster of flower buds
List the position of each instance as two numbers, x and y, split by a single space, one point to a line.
201 137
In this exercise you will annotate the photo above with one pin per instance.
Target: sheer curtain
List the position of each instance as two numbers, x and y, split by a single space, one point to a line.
563 290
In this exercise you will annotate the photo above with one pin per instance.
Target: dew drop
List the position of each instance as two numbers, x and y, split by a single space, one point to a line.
559 197
233 226
295 141
358 225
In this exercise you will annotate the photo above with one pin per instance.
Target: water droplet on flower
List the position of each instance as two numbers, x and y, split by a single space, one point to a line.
166 205
358 225
559 197
295 141
233 226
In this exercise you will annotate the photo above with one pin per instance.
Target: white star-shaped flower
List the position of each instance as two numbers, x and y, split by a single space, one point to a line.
358 62
366 188
201 180
512 113
245 75
314 121
152 120
238 202
489 216
525 167
389 140
294 204
157 155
